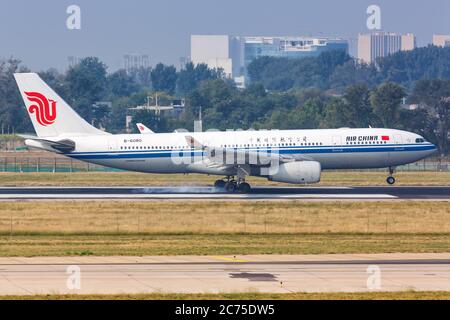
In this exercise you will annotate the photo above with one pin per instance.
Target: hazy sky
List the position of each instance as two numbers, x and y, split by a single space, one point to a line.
35 31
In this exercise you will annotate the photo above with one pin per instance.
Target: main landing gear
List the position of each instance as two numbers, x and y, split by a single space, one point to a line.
219 184
232 185
390 179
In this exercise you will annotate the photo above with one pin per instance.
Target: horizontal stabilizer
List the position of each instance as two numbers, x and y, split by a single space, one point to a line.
63 146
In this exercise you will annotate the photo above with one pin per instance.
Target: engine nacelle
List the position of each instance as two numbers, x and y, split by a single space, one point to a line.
297 172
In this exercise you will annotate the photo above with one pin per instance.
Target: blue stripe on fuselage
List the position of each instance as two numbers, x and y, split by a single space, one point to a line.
283 150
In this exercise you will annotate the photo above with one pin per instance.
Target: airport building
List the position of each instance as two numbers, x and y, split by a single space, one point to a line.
381 44
215 51
132 62
73 61
234 53
441 40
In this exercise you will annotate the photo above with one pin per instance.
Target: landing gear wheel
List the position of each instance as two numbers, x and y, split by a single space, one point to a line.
390 180
244 187
219 184
230 186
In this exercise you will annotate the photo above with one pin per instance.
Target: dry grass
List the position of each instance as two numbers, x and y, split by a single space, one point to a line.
41 244
205 217
354 178
403 295
165 228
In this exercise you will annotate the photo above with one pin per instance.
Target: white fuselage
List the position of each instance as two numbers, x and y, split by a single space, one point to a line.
333 148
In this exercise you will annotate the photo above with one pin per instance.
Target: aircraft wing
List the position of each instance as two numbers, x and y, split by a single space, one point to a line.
231 157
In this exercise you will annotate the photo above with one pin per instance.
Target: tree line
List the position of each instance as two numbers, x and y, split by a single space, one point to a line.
335 70
329 91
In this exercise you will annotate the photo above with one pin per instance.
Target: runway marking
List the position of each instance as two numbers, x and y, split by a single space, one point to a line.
191 187
197 196
229 259
319 193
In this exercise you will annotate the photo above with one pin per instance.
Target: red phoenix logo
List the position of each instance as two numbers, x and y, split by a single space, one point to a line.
45 109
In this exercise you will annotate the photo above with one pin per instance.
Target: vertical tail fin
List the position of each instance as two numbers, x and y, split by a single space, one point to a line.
50 114
143 129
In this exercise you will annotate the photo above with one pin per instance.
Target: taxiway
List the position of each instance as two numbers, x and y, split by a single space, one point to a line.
215 274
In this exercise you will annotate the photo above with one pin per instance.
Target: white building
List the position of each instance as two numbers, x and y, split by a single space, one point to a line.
381 44
441 40
213 51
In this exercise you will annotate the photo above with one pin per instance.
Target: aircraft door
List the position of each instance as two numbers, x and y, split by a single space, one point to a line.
398 142
337 144
396 157
112 145
398 139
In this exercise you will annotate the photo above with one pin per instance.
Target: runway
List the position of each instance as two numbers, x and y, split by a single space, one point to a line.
257 193
219 274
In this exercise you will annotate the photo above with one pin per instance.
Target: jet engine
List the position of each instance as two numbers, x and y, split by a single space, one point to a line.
296 172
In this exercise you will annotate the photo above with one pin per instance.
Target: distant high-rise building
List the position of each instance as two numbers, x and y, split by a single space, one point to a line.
215 51
441 40
184 61
135 61
234 53
381 44
73 61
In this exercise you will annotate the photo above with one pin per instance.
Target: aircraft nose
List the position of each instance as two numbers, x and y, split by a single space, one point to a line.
433 148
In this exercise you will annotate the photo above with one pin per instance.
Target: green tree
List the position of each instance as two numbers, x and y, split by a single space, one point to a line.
257 68
191 76
358 111
142 76
164 78
86 84
419 121
406 67
386 100
55 80
256 90
278 119
310 115
13 114
150 119
282 74
352 72
434 96
121 84
336 114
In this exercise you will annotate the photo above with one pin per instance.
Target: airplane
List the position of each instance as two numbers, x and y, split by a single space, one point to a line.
143 129
289 156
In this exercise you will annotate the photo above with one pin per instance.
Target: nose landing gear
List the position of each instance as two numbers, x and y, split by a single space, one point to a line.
390 179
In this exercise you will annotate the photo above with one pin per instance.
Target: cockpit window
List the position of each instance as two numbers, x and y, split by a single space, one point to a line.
420 140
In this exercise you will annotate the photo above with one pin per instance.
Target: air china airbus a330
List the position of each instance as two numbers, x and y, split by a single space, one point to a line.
291 156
